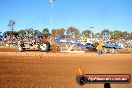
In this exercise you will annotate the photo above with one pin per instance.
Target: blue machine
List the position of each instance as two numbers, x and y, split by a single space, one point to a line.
89 46
40 35
115 46
4 35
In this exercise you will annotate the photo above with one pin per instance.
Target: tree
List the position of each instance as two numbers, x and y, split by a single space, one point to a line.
11 24
29 32
45 31
36 32
98 35
125 33
53 33
128 37
88 33
22 32
11 27
117 34
0 33
105 33
8 33
73 31
15 33
62 31
131 36
58 32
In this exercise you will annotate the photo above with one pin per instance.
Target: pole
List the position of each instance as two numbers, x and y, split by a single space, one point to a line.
51 22
91 32
51 19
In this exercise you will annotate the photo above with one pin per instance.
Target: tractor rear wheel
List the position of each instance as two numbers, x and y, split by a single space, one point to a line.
44 46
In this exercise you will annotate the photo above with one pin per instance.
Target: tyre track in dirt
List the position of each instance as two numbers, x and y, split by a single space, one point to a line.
58 70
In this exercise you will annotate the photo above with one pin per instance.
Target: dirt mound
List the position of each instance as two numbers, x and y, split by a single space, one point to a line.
127 50
8 49
54 50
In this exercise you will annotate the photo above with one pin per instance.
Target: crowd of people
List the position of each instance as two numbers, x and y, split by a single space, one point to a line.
14 40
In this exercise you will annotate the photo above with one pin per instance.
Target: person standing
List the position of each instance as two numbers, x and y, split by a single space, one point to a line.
99 48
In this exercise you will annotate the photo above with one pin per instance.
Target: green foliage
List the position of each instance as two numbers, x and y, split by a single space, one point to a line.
70 31
105 31
15 33
22 32
45 31
29 31
74 31
98 35
59 32
36 32
118 34
9 33
88 33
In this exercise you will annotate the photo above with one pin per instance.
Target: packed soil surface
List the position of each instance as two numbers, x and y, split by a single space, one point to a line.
34 69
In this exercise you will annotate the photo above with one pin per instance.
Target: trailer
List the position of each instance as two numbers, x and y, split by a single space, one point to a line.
107 48
70 46
77 45
111 48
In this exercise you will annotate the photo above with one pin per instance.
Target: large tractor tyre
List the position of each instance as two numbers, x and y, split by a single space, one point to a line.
21 49
44 46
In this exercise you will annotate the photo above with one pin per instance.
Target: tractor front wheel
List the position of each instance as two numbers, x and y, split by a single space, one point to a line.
44 46
21 49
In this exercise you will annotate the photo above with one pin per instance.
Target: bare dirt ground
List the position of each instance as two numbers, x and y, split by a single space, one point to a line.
34 69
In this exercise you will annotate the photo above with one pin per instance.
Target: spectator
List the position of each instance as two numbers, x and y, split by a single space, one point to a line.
99 48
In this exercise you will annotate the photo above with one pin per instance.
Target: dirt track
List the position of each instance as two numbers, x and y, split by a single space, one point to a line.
35 69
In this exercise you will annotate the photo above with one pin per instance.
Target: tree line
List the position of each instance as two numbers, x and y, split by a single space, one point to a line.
74 32
71 31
